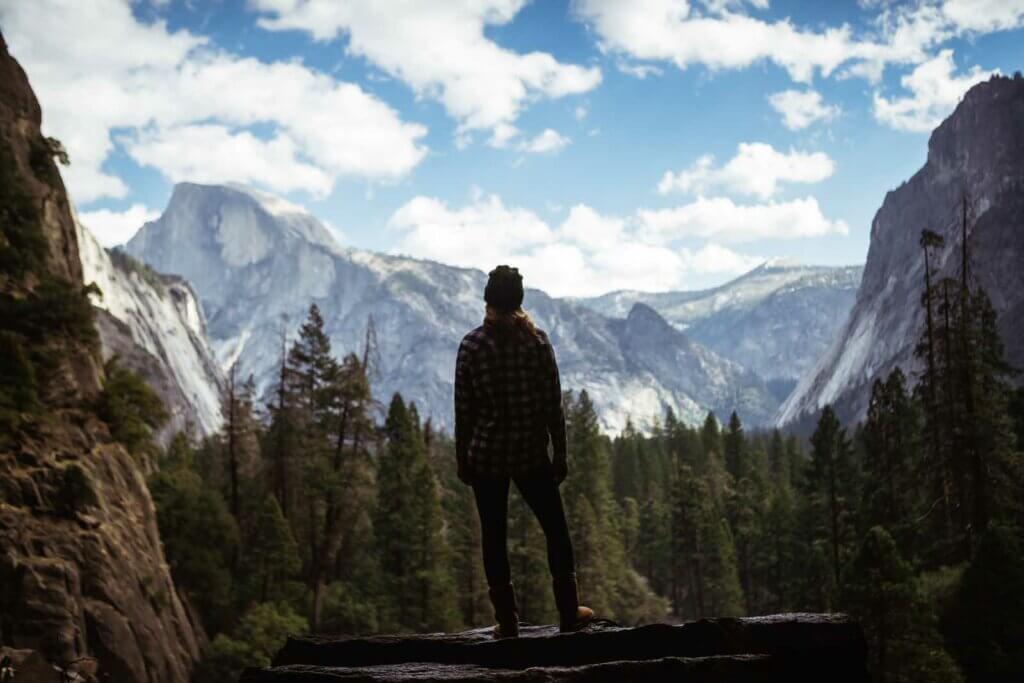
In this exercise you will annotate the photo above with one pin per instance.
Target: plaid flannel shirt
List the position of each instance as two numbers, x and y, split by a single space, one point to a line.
508 403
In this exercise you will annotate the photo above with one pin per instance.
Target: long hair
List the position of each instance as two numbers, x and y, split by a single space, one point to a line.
509 323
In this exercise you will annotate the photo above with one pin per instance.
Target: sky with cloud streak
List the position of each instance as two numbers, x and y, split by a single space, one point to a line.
597 144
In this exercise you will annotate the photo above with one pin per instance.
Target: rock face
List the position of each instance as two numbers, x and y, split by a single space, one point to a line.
254 259
776 320
83 581
788 647
161 316
978 149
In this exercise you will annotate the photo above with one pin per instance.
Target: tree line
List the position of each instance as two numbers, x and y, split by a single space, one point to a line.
317 510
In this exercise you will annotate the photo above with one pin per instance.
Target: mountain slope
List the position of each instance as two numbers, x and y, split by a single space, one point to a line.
978 149
83 576
162 316
776 320
255 260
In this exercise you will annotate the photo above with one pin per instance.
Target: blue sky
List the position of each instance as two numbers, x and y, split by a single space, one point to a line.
598 144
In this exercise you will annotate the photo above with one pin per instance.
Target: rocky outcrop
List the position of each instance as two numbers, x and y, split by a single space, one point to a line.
788 647
979 150
83 580
157 329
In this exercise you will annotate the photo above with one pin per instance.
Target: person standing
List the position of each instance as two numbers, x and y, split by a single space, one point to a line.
508 407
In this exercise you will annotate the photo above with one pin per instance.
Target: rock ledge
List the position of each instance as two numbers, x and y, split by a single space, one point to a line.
785 647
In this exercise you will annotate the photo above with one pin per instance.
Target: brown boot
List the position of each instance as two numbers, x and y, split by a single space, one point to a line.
571 615
505 611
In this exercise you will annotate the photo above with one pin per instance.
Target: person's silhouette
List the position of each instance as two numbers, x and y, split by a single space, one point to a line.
508 405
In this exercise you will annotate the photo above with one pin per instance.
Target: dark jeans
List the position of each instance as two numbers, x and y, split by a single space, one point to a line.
540 492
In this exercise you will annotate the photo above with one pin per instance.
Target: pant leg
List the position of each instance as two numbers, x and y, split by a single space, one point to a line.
492 506
540 492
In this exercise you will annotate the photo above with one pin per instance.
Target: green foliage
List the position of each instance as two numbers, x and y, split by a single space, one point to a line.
258 636
899 623
984 619
349 608
131 409
200 538
19 389
22 245
270 558
417 585
42 150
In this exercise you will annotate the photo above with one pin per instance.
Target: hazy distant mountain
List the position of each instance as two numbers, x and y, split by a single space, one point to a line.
254 259
776 320
980 149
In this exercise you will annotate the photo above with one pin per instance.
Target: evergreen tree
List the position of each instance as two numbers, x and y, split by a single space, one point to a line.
904 643
830 496
891 441
418 591
270 560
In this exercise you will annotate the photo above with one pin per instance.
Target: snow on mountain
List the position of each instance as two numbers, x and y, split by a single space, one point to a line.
776 320
155 325
257 269
978 149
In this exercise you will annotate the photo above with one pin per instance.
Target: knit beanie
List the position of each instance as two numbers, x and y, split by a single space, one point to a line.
504 291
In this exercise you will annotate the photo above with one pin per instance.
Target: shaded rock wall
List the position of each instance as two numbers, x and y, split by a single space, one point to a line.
82 571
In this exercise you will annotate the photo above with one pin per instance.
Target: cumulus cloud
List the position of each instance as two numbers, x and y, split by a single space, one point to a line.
148 82
984 16
547 141
673 31
757 169
719 34
934 91
721 219
441 50
590 253
112 228
801 108
506 136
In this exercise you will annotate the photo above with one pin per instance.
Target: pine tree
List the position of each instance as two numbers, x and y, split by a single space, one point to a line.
901 627
414 556
891 440
830 500
270 561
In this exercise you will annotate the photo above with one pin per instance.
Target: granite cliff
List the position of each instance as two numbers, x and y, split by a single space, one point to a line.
83 579
978 152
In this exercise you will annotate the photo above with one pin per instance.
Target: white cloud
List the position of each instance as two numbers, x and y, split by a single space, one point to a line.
714 259
757 169
636 70
801 108
590 253
984 16
146 81
673 31
113 228
209 153
506 135
722 220
547 141
718 34
440 49
934 93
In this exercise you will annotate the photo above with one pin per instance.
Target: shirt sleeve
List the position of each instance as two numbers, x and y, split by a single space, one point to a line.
465 416
555 413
